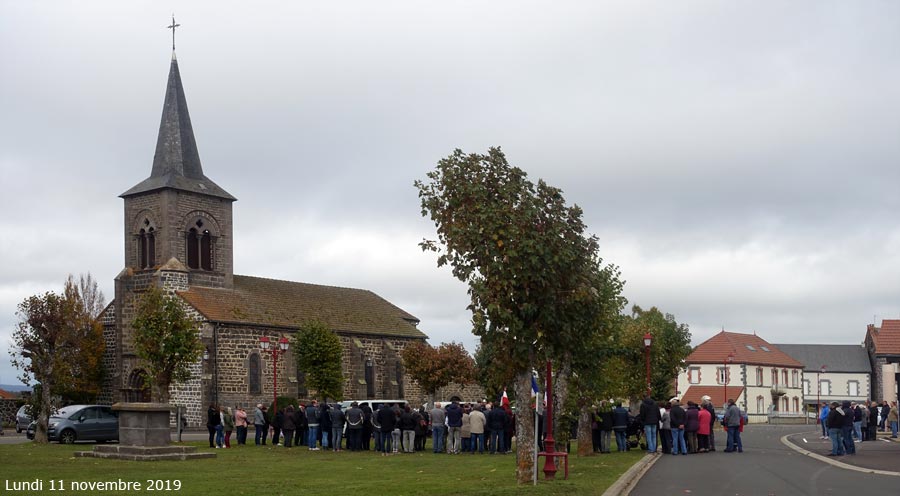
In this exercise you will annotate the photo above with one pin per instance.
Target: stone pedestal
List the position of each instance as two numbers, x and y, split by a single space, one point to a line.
144 435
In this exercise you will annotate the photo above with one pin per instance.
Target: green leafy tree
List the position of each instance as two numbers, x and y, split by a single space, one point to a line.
318 353
492 372
166 339
58 343
670 346
524 255
435 367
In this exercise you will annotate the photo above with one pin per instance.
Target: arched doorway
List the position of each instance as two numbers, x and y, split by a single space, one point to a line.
138 391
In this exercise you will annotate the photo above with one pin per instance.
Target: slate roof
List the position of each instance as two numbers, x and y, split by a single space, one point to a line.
835 357
886 337
747 348
715 393
270 302
176 163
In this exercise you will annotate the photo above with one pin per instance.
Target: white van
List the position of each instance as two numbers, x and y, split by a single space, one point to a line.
374 404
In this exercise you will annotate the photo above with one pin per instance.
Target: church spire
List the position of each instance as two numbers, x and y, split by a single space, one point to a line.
176 163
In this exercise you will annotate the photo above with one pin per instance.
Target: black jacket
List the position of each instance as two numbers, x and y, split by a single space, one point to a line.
835 419
620 418
677 417
496 419
649 413
407 421
386 418
212 418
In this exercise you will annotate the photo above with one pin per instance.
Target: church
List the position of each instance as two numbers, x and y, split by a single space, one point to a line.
179 236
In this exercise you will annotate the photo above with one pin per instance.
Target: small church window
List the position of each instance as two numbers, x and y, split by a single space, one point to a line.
193 249
147 247
206 251
370 379
253 370
398 369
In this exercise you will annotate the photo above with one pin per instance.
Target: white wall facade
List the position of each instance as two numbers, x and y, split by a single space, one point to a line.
838 386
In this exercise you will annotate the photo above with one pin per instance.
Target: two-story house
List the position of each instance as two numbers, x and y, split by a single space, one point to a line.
759 376
832 372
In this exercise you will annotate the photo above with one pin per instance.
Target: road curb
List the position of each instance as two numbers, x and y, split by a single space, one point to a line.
626 482
825 459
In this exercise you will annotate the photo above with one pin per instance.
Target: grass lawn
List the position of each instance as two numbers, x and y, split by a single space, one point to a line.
271 471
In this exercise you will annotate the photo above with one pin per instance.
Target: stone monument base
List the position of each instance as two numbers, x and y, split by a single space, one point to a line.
145 453
144 435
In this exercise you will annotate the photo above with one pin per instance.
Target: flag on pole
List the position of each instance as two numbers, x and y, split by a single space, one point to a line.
504 400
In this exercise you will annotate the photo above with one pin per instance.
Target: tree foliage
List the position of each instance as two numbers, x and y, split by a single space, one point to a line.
492 372
166 339
524 254
670 346
435 367
318 353
59 344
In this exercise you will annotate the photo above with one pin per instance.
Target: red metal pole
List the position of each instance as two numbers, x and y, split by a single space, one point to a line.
275 382
647 356
549 442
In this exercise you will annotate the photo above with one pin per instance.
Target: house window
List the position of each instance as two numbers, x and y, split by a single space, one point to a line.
784 376
774 377
759 376
825 387
253 372
760 404
722 375
853 388
806 387
784 404
796 404
795 378
693 375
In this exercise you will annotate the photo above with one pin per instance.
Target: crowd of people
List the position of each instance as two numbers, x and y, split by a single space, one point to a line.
667 427
455 428
847 423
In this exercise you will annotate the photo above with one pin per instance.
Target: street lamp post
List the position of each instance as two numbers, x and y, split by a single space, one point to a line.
266 346
728 361
648 340
819 391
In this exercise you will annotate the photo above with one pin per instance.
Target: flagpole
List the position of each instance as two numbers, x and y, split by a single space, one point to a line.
535 462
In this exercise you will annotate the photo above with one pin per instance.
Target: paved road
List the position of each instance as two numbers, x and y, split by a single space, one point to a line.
766 467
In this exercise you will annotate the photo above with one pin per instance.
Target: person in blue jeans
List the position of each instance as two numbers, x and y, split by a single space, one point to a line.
833 423
650 417
732 421
620 426
678 417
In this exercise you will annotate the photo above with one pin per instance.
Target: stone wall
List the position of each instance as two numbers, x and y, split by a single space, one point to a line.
8 409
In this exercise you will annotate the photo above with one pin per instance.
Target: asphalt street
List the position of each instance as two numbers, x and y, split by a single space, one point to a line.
767 467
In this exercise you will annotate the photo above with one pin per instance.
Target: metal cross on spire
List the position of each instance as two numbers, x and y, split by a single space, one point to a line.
172 27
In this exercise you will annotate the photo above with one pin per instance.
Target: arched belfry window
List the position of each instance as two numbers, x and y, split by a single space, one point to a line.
147 245
199 246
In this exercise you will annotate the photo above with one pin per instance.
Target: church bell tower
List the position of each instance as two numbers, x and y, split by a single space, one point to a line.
179 213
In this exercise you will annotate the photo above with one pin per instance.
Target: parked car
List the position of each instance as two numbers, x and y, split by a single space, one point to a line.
23 418
81 423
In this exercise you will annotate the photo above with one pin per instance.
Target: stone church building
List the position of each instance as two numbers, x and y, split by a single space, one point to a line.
178 235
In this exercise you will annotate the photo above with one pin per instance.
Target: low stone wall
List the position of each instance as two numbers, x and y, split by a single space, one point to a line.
8 409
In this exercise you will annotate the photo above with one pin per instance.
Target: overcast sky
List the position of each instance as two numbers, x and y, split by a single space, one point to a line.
737 160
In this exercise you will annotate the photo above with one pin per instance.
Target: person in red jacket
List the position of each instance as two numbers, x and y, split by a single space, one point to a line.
704 430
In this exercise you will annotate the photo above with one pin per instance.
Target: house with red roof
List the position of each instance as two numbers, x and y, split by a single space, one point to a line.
883 345
759 376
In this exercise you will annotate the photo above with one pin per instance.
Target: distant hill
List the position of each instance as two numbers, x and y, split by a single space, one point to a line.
14 388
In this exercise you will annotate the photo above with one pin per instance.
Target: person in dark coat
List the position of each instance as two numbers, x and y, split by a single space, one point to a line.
301 434
421 430
325 424
313 417
355 419
212 420
620 426
387 419
873 421
677 419
835 422
365 441
605 421
277 424
692 426
650 417
337 426
847 428
496 422
288 426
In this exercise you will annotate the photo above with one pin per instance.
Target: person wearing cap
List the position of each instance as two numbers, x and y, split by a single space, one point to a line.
834 422
677 418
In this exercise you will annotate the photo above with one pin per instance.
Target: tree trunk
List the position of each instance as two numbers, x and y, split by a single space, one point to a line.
160 389
43 417
562 430
524 429
585 436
